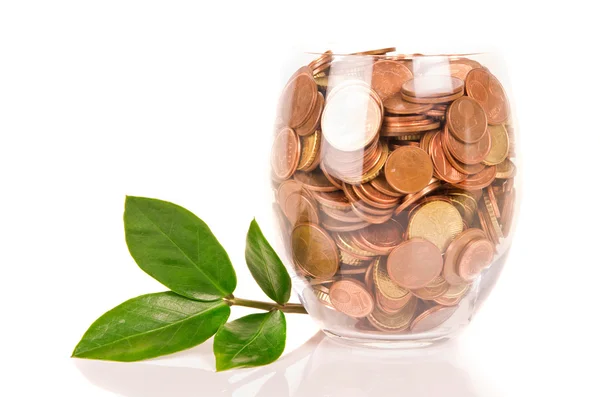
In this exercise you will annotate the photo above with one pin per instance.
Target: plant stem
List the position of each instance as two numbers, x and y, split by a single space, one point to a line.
287 308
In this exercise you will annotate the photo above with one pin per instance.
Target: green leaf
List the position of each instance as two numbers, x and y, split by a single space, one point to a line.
178 249
250 341
150 326
266 267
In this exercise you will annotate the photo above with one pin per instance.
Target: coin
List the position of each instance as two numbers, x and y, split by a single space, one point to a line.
310 125
476 256
298 207
381 239
455 249
437 221
351 298
506 216
480 180
468 153
334 225
298 99
346 216
432 318
374 197
314 181
352 117
433 290
388 77
396 105
506 170
322 294
467 120
414 263
397 322
482 86
408 169
314 251
384 283
381 51
335 200
433 100
381 184
432 86
441 165
413 198
453 296
499 147
310 148
285 154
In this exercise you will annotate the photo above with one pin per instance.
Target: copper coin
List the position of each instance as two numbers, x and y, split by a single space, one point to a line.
285 189
432 318
385 285
413 198
374 197
414 263
369 283
396 322
506 215
500 145
314 251
334 225
372 218
381 239
492 220
334 181
486 89
468 153
403 118
299 208
346 216
408 169
381 184
432 86
396 105
433 100
480 180
468 169
467 120
441 165
335 200
311 124
285 154
476 256
453 252
436 221
314 181
351 298
381 51
352 271
298 99
352 117
388 77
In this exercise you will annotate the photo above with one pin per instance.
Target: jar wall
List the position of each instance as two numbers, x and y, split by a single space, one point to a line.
394 189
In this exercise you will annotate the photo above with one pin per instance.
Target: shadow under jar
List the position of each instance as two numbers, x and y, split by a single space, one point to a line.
394 181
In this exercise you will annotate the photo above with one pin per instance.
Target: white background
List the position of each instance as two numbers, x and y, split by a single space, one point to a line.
174 100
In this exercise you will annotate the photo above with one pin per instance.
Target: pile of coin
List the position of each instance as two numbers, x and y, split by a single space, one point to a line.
394 183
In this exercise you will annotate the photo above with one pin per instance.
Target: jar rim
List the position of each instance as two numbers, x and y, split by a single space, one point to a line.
399 55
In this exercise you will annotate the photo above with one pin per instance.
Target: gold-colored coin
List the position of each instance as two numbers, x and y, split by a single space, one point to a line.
399 321
492 215
434 289
322 294
436 221
384 283
347 259
506 170
310 147
344 241
500 145
314 251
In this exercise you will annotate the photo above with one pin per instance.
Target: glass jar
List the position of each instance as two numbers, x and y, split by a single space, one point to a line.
395 194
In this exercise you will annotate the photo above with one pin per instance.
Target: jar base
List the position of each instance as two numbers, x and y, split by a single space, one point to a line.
408 343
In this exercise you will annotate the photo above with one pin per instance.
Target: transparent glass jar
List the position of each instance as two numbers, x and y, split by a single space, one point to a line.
394 180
